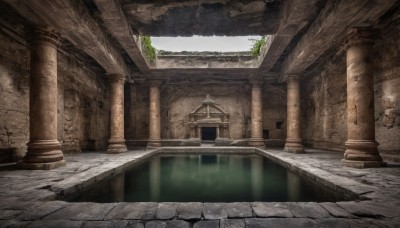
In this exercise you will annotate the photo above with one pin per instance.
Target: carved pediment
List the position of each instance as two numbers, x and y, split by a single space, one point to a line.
208 112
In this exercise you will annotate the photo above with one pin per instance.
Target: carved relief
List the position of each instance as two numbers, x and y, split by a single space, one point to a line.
209 114
389 115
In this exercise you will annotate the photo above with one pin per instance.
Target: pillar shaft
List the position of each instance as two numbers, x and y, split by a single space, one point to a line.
43 147
293 141
256 115
116 144
362 149
154 115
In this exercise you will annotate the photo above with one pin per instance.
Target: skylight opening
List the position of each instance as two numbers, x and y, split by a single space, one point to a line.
205 43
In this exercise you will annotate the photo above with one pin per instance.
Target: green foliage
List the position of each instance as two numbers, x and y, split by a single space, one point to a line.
257 45
149 50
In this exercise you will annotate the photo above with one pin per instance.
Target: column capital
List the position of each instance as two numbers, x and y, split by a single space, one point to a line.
116 78
155 83
256 83
46 34
360 36
290 78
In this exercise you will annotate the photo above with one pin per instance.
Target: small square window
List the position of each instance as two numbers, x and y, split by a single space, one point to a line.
279 125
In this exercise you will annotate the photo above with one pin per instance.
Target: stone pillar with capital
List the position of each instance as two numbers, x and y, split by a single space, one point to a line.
361 146
256 139
154 115
293 141
44 150
116 143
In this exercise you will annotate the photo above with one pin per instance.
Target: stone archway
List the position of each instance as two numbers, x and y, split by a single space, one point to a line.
209 115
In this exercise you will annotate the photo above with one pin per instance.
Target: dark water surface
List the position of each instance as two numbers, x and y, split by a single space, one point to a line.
207 178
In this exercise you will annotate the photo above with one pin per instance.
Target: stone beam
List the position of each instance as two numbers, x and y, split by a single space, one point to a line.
329 29
73 21
116 22
295 16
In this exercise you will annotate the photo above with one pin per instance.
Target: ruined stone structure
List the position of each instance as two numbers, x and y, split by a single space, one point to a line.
328 77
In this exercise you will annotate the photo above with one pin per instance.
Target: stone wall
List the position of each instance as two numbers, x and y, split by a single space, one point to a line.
324 107
178 100
14 99
83 106
83 102
324 103
387 89
274 113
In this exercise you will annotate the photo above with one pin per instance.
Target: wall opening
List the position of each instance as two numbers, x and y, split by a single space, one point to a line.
208 133
279 125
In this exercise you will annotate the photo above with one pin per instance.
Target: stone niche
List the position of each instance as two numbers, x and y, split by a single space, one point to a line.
209 122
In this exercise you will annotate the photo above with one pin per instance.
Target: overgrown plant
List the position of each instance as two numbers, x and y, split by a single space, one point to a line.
149 50
257 45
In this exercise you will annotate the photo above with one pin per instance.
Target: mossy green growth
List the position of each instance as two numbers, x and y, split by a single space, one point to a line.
149 50
257 45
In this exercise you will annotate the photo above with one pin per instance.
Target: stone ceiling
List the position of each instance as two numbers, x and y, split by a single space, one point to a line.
303 33
214 17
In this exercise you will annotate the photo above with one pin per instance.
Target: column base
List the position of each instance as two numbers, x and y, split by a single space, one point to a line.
294 146
153 143
116 146
257 142
41 166
362 154
43 151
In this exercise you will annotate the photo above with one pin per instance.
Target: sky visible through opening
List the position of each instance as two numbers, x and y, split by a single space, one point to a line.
204 43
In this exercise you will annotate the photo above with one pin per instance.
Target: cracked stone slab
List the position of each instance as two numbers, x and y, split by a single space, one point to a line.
9 214
105 224
308 210
83 211
335 210
239 210
138 211
342 222
178 224
370 209
207 224
279 222
214 211
277 210
188 211
232 223
166 211
41 210
55 224
135 224
156 224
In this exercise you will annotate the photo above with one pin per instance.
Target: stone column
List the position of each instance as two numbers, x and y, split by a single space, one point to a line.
116 143
43 147
361 146
154 115
293 140
256 139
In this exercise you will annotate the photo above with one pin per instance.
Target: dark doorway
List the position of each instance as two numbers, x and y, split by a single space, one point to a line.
208 133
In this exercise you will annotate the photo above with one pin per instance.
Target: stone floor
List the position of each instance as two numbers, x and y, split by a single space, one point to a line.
28 198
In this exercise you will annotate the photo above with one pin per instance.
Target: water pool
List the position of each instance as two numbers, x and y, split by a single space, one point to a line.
207 178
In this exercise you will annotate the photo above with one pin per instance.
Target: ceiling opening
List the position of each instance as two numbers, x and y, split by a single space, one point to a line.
204 43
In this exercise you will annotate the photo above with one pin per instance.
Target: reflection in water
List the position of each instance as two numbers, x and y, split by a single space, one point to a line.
117 187
256 177
155 179
293 186
207 178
